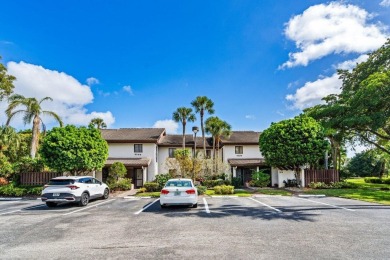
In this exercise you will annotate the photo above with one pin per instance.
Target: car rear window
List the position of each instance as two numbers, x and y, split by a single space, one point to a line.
61 182
178 184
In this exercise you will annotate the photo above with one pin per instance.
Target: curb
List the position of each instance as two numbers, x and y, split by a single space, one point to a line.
311 196
10 199
222 196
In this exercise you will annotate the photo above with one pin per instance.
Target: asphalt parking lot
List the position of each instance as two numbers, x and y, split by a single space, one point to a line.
260 227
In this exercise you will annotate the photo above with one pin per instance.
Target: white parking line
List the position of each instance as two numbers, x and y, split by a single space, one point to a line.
95 205
206 206
268 206
9 212
139 211
330 205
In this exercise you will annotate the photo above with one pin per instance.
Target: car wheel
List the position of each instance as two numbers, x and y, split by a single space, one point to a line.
84 199
106 194
51 204
163 206
195 205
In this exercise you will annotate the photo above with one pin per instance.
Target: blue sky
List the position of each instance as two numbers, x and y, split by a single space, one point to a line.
134 62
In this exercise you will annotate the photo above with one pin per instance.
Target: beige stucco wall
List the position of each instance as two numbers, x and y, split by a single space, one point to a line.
249 152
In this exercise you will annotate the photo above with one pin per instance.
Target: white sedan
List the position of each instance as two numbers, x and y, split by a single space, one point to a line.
179 192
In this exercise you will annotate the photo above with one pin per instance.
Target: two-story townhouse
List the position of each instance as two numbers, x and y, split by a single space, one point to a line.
137 149
241 151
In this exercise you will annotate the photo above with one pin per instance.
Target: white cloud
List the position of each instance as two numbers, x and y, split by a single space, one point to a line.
350 64
312 92
92 81
251 117
68 94
332 28
385 3
128 89
170 125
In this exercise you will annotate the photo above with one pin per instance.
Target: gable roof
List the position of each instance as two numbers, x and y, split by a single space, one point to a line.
177 141
242 137
132 135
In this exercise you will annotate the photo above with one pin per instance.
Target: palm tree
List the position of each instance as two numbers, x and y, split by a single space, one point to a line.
201 105
32 112
8 136
217 128
98 123
184 114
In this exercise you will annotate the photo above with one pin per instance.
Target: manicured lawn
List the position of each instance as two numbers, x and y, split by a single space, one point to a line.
366 192
248 193
270 191
149 194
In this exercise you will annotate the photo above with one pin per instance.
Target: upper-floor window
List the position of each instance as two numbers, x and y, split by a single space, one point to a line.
239 150
138 148
172 152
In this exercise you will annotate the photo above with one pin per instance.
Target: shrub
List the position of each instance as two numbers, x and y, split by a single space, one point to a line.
142 190
27 164
260 179
10 190
161 179
201 190
152 186
213 183
386 181
333 185
318 185
377 180
3 181
122 184
224 189
116 171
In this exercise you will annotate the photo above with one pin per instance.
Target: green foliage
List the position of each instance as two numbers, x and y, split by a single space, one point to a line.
27 164
260 179
12 190
152 186
6 82
236 182
201 190
377 180
364 164
6 169
161 179
333 185
74 149
185 162
293 142
121 184
14 153
224 189
213 183
117 170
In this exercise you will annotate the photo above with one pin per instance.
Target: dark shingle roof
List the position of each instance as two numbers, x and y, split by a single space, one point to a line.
145 135
129 161
177 140
242 137
246 162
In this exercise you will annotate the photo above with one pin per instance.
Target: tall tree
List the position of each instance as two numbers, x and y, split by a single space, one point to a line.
201 105
8 136
6 82
98 123
32 113
184 115
218 129
293 142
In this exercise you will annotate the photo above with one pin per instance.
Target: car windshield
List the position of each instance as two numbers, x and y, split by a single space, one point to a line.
61 182
178 184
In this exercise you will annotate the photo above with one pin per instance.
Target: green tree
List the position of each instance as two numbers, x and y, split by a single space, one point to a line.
183 158
6 82
117 170
74 149
184 115
201 105
98 123
293 142
362 109
366 164
15 153
32 112
8 137
218 129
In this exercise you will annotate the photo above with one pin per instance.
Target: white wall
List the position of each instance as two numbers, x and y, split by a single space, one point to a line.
283 175
163 154
118 150
249 152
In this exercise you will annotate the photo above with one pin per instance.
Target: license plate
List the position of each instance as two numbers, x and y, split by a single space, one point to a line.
56 194
177 193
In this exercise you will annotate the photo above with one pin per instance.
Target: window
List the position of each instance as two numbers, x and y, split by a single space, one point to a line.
172 152
239 150
208 153
138 148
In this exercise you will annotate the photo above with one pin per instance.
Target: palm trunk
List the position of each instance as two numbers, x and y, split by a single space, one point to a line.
35 137
203 137
184 135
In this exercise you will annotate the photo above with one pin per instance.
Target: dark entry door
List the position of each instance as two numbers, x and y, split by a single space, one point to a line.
138 179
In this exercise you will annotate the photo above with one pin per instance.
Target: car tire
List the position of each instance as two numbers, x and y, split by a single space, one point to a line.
84 199
106 194
195 205
163 206
51 204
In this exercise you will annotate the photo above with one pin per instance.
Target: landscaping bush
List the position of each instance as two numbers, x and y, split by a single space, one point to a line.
333 185
122 184
152 186
213 183
141 190
3 181
236 182
161 179
224 189
377 180
260 179
201 190
116 171
11 190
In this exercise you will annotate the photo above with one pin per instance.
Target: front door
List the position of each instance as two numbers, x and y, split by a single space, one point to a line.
139 180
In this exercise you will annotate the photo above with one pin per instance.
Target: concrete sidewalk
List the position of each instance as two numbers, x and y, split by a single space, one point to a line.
122 194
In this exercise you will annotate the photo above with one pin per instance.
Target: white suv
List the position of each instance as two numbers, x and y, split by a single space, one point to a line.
78 189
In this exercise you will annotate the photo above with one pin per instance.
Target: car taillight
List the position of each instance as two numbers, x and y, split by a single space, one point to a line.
190 191
165 192
73 187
